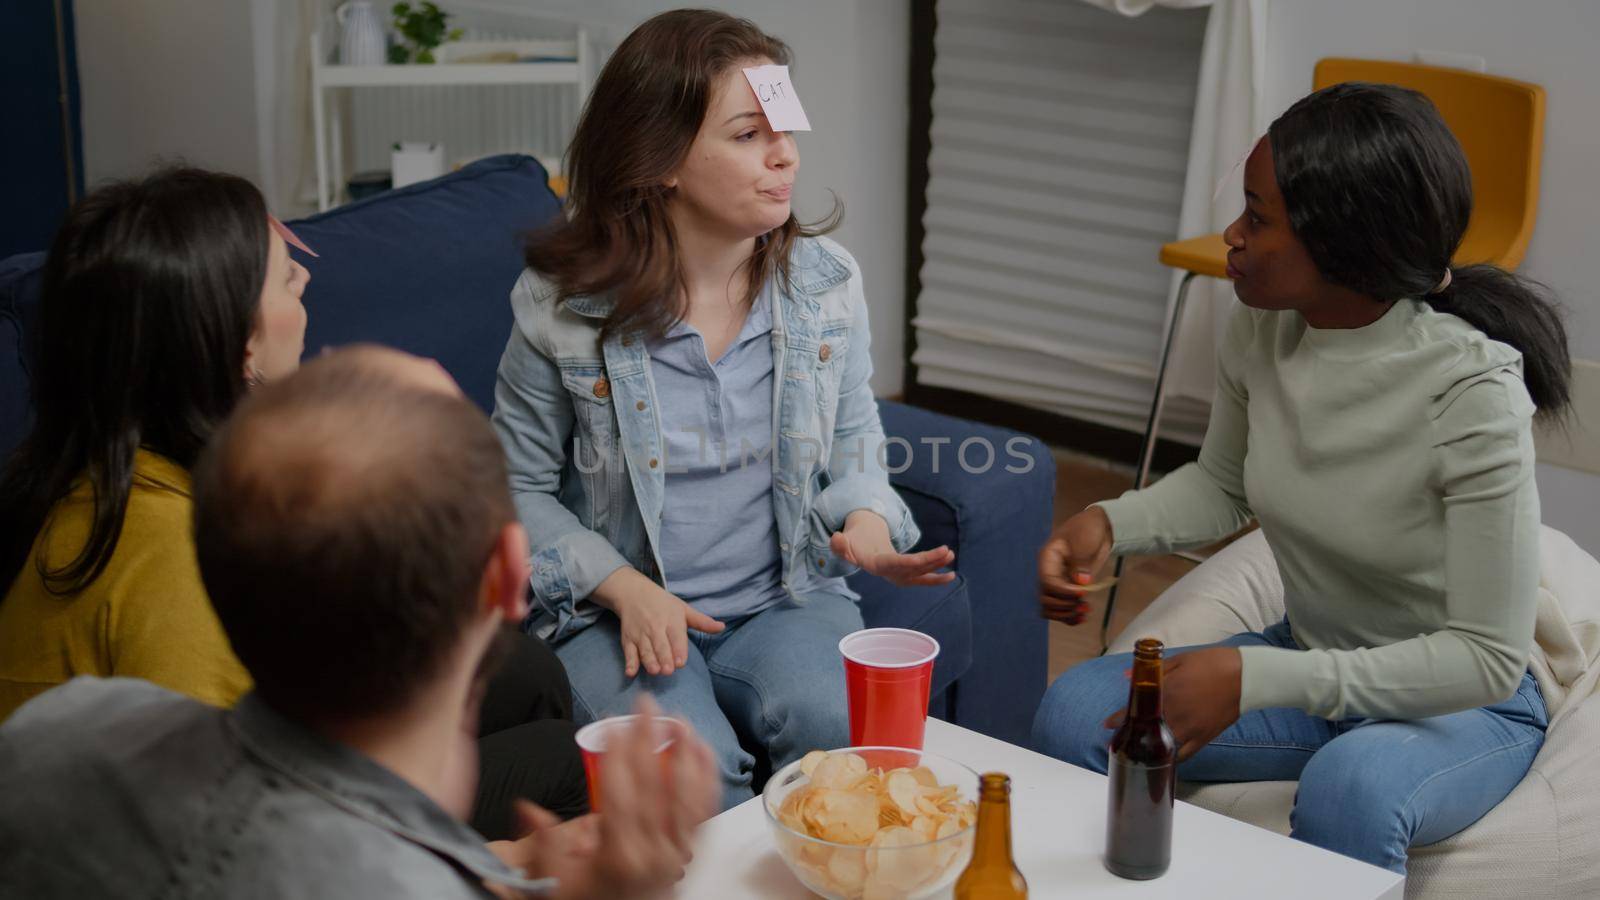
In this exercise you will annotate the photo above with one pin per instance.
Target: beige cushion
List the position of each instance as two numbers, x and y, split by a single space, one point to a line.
1542 841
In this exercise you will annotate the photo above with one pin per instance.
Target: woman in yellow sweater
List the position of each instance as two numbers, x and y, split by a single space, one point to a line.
163 299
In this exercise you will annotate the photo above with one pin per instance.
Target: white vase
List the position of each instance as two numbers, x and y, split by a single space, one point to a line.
361 38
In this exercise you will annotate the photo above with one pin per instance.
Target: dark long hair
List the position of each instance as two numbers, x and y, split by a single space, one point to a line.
1378 189
641 117
150 293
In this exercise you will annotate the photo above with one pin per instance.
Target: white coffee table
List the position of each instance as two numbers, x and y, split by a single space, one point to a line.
1058 832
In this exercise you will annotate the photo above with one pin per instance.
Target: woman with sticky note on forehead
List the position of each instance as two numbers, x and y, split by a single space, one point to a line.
693 445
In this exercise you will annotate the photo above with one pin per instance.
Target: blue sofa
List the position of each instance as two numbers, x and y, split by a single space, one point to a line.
428 269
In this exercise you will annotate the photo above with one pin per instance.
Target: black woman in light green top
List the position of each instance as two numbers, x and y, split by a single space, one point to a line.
1373 412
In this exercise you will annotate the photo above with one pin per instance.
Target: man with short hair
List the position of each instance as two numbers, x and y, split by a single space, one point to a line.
356 535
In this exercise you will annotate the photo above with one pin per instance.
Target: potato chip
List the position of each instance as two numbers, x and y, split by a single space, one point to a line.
848 870
966 814
808 763
816 855
839 771
896 860
927 806
789 810
903 790
950 849
844 817
899 836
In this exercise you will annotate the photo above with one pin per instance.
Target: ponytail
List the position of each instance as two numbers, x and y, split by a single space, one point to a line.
1519 312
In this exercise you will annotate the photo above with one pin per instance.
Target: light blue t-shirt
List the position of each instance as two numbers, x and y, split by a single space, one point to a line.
719 534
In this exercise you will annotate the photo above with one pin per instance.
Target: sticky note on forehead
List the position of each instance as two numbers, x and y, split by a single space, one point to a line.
288 236
778 99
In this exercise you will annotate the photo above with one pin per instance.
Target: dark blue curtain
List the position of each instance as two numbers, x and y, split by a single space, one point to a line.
41 145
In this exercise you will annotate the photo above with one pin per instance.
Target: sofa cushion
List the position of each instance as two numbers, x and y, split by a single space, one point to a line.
19 311
942 611
428 268
1264 804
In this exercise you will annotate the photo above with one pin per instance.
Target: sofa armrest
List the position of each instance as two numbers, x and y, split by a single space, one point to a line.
1235 591
995 517
1566 764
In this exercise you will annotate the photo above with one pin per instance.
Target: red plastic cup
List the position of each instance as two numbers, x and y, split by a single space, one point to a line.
889 672
594 738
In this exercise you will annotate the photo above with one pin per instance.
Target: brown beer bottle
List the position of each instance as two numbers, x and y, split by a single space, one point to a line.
992 875
1143 776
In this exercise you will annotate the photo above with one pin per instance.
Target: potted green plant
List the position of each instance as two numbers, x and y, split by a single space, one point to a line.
421 29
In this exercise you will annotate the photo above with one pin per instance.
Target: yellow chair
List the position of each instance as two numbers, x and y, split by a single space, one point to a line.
1500 124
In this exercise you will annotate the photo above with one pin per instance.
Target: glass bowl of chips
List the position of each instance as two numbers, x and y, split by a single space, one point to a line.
864 823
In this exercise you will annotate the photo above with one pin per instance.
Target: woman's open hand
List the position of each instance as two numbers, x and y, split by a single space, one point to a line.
865 542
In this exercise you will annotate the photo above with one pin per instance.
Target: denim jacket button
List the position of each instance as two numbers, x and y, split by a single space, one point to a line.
627 341
639 406
602 388
825 354
653 463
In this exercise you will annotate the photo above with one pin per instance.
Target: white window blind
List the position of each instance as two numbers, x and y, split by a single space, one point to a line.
1059 142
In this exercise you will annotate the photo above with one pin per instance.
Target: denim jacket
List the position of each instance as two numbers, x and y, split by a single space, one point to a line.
579 423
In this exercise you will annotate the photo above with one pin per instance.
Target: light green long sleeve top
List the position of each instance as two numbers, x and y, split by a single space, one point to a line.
1391 469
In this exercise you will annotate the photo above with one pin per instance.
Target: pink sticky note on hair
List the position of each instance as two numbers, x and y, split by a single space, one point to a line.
778 99
288 236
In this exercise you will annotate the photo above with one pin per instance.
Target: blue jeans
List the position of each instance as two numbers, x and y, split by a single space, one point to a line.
1369 788
773 681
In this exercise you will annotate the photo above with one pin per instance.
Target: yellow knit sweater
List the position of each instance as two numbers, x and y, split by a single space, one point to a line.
146 616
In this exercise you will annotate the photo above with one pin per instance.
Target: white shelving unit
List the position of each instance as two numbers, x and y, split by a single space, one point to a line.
565 63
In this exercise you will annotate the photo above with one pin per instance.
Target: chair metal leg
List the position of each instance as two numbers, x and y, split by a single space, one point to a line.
1147 450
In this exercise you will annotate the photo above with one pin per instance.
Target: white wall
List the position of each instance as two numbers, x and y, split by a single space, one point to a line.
1548 42
166 78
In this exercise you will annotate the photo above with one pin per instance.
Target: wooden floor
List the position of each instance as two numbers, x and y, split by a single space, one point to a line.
1080 481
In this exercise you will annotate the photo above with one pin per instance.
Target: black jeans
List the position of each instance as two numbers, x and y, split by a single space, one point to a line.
526 745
